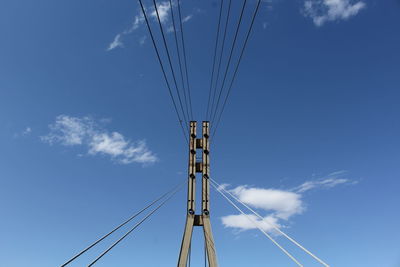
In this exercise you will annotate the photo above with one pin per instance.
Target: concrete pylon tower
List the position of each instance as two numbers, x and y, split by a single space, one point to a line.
203 219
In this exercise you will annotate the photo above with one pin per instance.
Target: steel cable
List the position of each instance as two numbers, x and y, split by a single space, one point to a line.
179 58
257 226
237 66
230 57
119 226
162 69
170 64
134 227
185 58
221 54
215 56
271 224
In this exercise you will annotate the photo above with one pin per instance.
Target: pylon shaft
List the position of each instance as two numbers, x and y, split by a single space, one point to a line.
203 219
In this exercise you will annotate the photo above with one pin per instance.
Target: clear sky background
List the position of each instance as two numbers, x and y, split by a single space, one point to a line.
310 134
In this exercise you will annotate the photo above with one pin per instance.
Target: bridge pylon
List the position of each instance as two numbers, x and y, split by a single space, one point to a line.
203 219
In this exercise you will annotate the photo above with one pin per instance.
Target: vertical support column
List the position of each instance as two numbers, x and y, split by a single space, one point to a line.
187 235
203 219
205 207
192 169
208 236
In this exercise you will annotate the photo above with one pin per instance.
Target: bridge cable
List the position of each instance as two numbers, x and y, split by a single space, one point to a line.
119 226
163 69
185 58
256 225
221 55
215 56
237 66
135 226
170 63
230 56
179 58
271 224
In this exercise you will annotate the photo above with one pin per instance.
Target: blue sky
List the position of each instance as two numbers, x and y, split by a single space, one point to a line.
309 138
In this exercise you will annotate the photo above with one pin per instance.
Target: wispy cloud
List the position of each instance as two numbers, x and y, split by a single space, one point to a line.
278 205
326 183
331 180
322 11
142 40
164 10
139 19
187 18
85 131
27 131
116 43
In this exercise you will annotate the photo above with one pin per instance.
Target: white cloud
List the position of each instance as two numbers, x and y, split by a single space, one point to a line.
117 146
27 131
283 204
337 173
322 11
327 183
142 40
164 10
72 131
139 19
278 205
170 29
187 18
69 131
246 222
223 186
331 180
116 43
